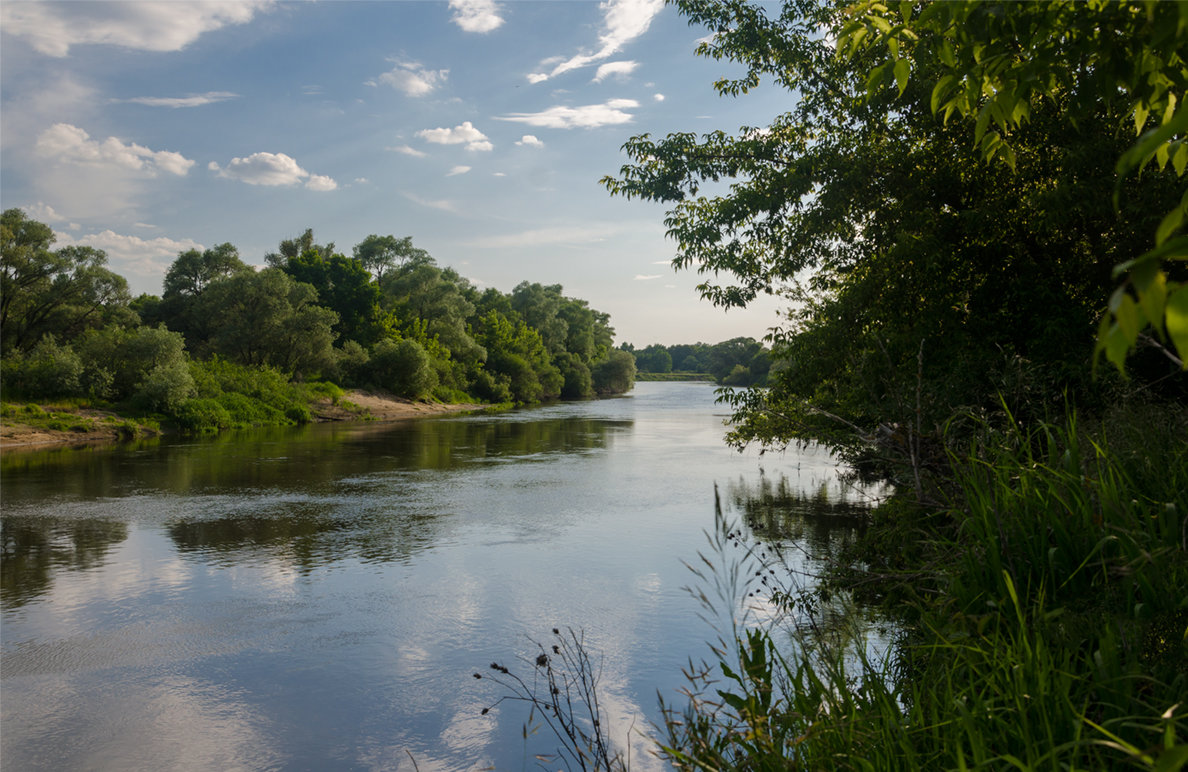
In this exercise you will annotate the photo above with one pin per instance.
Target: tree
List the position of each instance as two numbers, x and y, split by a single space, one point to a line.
343 286
61 293
993 62
914 267
653 359
186 280
380 254
267 318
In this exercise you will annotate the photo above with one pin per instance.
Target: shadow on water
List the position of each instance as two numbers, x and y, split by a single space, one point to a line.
34 549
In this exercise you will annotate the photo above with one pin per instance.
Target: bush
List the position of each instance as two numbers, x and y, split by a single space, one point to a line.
202 415
402 367
48 370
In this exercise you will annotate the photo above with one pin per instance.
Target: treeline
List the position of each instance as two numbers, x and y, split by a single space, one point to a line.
735 362
228 345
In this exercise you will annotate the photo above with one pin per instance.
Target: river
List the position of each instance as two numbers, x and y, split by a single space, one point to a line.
321 597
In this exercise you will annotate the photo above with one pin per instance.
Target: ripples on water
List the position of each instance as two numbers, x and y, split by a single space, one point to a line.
319 598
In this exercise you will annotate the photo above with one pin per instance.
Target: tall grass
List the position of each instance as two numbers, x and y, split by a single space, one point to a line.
1055 638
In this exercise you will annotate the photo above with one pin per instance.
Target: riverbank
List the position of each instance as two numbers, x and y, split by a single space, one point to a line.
36 426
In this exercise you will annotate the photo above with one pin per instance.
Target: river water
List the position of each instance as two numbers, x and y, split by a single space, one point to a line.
321 597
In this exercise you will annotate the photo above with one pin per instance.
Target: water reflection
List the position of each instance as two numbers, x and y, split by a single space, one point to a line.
320 597
33 549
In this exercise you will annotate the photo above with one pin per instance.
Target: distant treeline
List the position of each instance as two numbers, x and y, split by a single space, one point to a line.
223 335
735 362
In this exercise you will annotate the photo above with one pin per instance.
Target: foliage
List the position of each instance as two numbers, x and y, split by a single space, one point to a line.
402 367
993 63
190 275
735 362
615 374
891 236
43 292
232 395
344 286
269 319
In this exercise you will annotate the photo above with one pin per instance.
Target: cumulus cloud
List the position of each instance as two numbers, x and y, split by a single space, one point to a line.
407 151
132 254
658 97
69 143
320 182
272 169
614 69
609 113
42 212
464 134
193 100
623 21
476 15
458 170
412 78
529 141
53 28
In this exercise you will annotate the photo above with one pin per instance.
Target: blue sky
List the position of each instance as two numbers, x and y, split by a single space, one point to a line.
478 128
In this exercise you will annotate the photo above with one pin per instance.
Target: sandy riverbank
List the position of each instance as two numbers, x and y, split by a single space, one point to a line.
98 426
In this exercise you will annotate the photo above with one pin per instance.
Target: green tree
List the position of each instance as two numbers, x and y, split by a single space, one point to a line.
380 254
615 374
268 318
653 359
343 286
61 293
190 275
994 63
890 234
402 367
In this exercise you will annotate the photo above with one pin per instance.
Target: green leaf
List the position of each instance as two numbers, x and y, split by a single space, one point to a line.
1140 116
1116 347
902 69
1153 297
1176 321
1147 145
1180 159
1169 225
940 90
1127 315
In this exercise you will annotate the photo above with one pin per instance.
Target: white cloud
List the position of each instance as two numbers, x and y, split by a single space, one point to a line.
647 277
193 100
476 15
658 97
412 78
272 169
442 204
52 28
562 235
132 254
320 182
529 141
464 134
407 151
623 21
43 212
458 170
609 113
537 77
614 69
70 143
498 174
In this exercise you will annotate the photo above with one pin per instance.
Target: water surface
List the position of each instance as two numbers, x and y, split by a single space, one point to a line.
320 598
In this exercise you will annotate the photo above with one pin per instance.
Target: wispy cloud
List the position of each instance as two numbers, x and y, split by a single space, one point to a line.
647 277
464 134
65 142
442 204
623 21
476 15
272 170
609 113
561 235
53 28
614 69
457 170
193 100
407 150
411 78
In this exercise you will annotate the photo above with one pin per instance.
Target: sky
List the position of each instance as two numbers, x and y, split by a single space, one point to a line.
478 128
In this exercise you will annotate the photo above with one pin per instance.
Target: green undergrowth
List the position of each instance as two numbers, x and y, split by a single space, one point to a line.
1043 617
63 416
234 396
